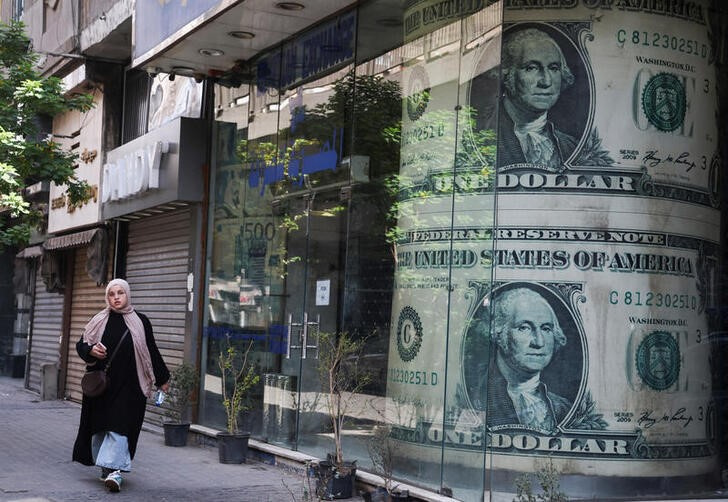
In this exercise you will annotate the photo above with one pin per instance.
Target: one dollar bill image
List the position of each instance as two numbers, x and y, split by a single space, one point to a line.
566 217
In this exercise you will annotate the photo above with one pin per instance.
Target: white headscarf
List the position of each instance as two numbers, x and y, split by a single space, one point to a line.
95 329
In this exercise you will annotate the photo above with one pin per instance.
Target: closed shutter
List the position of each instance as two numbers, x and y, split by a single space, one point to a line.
157 265
86 300
46 330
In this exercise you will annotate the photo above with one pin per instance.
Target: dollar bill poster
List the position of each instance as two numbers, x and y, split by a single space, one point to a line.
558 238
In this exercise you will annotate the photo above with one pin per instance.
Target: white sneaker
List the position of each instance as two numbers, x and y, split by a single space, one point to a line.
113 481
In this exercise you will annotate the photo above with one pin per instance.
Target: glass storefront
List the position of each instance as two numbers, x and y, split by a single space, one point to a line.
516 209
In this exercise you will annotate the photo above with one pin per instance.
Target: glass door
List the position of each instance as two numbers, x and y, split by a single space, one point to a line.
315 222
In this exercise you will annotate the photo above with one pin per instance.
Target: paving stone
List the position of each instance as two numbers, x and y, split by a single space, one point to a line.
36 441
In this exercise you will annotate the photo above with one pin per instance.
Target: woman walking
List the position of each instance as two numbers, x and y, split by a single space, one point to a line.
110 423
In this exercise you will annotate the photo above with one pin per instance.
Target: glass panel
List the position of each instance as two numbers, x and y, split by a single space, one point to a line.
719 314
606 270
245 271
320 242
415 196
314 151
466 460
307 184
376 112
362 200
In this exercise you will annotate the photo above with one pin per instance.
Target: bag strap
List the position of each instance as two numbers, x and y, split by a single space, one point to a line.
108 363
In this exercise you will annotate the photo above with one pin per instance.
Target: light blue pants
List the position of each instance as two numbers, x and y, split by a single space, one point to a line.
111 450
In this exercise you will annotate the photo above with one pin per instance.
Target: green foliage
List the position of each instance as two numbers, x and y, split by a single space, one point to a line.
370 106
548 478
267 154
182 387
343 373
238 377
27 158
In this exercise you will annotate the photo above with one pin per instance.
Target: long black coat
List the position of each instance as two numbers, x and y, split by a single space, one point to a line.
121 408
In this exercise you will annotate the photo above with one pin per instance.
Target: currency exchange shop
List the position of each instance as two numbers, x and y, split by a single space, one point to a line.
518 207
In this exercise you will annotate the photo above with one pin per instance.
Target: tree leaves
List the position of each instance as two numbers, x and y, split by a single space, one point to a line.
27 157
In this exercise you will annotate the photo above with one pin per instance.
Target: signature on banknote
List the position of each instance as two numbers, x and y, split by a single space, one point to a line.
648 418
653 158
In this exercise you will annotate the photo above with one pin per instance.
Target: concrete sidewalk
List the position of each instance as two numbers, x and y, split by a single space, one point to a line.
36 439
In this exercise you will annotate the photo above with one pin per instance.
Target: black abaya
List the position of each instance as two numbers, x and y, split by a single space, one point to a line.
121 408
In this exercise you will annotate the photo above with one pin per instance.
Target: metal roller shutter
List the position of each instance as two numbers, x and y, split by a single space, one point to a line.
46 330
87 299
157 265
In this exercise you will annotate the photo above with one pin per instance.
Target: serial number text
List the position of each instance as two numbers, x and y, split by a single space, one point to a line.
413 377
653 299
662 40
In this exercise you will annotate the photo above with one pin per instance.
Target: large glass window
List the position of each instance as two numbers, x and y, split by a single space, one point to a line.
332 206
572 322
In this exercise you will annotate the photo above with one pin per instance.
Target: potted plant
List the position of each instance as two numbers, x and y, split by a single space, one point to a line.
182 388
382 452
238 376
343 375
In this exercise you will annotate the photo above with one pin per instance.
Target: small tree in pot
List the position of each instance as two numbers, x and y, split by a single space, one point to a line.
383 452
238 376
182 388
343 375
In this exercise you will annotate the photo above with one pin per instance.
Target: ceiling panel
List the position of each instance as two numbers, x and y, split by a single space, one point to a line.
269 24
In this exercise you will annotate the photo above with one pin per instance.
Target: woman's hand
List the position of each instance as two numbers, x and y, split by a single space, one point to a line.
165 387
98 351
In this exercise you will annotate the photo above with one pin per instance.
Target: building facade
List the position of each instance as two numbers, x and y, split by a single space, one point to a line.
516 204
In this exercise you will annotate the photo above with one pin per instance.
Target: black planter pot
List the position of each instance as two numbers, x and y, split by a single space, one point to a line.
335 482
381 495
397 495
175 434
232 448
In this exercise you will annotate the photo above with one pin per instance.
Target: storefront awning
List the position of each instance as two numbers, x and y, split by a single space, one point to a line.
70 240
30 252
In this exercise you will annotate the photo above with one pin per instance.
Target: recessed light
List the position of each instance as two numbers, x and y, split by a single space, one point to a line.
242 35
290 6
184 71
211 52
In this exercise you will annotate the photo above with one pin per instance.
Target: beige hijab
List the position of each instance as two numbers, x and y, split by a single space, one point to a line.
95 329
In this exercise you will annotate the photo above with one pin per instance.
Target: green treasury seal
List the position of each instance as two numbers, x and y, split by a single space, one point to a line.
409 333
658 360
663 101
418 93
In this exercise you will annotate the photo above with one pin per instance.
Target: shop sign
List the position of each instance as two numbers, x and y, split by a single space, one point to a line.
164 165
62 201
63 214
134 173
312 53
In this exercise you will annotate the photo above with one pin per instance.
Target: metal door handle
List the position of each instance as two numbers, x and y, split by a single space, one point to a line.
289 329
315 324
303 335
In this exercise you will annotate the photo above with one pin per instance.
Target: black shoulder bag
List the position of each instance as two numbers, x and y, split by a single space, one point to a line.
95 382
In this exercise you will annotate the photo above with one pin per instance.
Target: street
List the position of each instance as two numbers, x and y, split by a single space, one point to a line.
36 439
